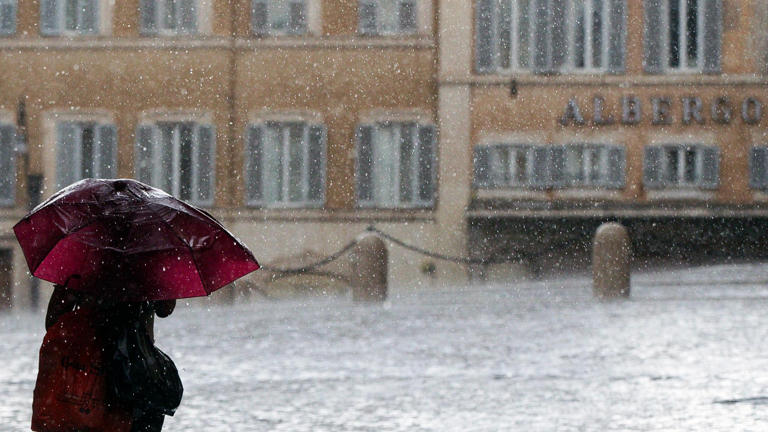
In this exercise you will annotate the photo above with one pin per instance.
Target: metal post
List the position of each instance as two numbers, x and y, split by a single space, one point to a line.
369 269
611 252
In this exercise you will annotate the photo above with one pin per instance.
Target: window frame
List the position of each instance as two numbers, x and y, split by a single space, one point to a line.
178 30
269 26
14 6
588 68
603 153
380 30
682 37
9 129
97 169
664 179
61 19
285 201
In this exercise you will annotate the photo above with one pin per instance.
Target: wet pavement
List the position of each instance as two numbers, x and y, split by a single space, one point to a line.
687 353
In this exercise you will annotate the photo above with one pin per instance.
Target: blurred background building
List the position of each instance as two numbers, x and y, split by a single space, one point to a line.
496 129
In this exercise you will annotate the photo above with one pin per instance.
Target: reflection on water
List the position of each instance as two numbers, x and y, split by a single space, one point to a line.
536 356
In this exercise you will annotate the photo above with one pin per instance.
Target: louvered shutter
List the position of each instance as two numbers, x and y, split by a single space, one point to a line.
652 170
482 167
617 36
316 164
368 17
8 17
710 176
407 19
148 17
259 17
188 14
67 166
145 152
204 169
364 138
713 31
426 167
484 49
616 175
298 17
556 166
89 16
49 17
541 174
541 37
253 171
653 56
7 164
758 168
107 151
558 29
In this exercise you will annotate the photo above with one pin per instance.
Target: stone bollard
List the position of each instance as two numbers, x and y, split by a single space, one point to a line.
611 253
369 269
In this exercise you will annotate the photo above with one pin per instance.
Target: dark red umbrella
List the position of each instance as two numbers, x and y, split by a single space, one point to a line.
125 240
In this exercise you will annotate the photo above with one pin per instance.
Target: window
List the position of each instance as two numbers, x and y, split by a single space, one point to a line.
7 17
681 166
387 17
279 17
395 165
169 17
178 157
7 164
550 35
758 168
85 149
285 164
539 166
69 17
683 35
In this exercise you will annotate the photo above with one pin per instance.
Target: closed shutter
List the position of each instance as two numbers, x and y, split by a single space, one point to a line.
616 170
713 31
298 18
482 167
556 166
188 12
484 36
316 164
540 176
204 169
145 152
364 138
49 17
367 17
653 58
559 33
8 17
107 151
253 171
710 176
68 141
7 164
541 36
148 17
617 36
758 169
407 16
89 16
426 171
652 170
259 17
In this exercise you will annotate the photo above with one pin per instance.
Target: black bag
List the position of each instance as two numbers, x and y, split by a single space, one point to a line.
141 375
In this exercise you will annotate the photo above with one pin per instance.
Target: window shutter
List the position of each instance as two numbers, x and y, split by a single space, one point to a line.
427 145
49 18
107 151
617 160
148 18
364 138
653 59
8 17
205 168
367 17
188 11
757 168
407 16
7 164
617 38
541 37
259 17
710 167
559 34
652 167
484 36
145 152
89 16
253 171
317 144
482 166
298 18
557 174
713 31
540 177
66 163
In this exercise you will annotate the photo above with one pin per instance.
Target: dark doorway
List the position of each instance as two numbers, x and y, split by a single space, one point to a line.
6 278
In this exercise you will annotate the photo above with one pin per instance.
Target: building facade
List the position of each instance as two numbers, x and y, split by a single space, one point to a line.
491 128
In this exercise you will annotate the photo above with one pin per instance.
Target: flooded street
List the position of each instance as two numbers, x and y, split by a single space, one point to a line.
538 356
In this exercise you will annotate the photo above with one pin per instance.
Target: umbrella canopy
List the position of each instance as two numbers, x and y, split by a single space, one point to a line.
125 240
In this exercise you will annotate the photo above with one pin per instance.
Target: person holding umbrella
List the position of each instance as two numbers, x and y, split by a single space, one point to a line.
119 252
